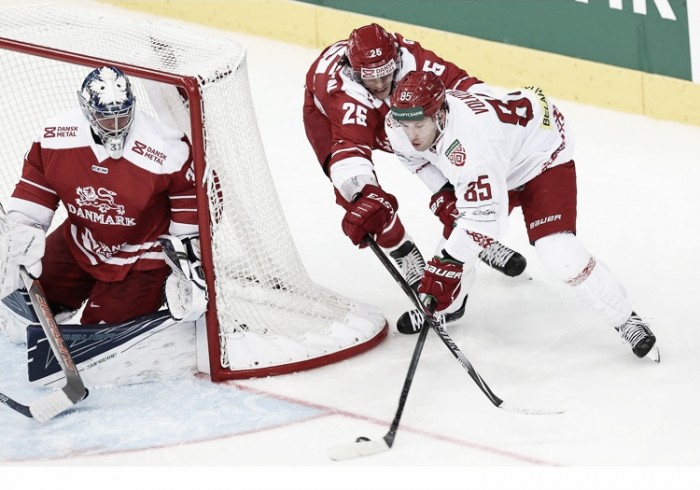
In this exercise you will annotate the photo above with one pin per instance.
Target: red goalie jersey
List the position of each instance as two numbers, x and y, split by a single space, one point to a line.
117 208
343 120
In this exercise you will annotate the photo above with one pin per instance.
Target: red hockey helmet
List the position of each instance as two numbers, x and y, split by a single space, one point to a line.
372 52
419 94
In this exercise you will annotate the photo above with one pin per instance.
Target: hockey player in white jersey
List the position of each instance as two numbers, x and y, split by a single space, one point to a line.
127 182
498 153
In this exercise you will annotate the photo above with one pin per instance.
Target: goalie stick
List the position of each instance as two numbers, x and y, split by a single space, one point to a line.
364 446
74 390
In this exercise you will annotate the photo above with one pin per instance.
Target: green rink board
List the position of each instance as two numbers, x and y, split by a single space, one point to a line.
565 77
591 31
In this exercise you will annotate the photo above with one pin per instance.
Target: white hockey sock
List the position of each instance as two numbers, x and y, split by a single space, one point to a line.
567 258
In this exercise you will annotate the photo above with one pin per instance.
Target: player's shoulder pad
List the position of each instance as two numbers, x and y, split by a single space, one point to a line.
155 146
406 43
66 130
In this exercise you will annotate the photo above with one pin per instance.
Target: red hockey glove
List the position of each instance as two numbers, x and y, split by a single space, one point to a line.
442 280
369 214
443 204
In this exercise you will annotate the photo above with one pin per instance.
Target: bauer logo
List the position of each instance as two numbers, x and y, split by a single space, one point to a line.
151 153
548 219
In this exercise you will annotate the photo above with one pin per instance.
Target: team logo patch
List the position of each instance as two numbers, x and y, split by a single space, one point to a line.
102 199
456 154
60 131
139 148
151 153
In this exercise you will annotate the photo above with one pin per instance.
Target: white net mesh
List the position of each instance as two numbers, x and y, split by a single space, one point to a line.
269 312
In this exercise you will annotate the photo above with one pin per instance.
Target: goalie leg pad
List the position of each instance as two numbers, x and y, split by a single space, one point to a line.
149 348
16 314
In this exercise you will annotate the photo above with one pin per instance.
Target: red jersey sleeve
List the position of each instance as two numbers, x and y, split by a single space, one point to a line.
354 126
182 194
452 76
33 186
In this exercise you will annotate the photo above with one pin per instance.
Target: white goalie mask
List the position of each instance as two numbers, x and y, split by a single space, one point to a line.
108 104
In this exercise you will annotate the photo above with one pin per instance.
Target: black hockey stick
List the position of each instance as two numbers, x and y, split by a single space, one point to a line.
364 446
74 390
439 328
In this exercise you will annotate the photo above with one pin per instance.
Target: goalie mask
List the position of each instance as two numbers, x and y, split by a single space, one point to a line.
108 104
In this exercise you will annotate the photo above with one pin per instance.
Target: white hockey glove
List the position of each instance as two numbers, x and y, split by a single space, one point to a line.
185 288
20 244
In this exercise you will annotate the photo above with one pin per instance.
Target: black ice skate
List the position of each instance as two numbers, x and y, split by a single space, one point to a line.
503 259
410 262
637 333
412 321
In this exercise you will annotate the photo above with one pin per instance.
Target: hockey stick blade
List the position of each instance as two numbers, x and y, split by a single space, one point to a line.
530 411
44 408
357 449
53 404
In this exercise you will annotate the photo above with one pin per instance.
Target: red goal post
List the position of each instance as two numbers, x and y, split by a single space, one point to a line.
265 316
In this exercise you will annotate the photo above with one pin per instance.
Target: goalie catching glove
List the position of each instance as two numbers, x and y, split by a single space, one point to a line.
441 280
185 288
20 244
369 214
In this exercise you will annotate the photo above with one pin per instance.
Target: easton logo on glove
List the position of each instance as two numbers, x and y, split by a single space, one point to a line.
369 214
379 198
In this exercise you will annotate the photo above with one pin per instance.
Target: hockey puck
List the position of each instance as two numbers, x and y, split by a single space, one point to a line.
362 439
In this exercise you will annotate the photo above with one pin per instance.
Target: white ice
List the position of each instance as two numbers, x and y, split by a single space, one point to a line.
532 341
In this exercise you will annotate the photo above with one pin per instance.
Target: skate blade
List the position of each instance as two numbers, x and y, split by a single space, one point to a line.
654 354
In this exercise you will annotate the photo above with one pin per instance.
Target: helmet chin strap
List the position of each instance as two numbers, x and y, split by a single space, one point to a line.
440 123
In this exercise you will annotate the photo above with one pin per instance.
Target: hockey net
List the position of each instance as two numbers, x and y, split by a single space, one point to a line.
265 316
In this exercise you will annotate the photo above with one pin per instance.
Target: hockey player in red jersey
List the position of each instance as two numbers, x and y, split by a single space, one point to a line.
498 153
126 181
346 100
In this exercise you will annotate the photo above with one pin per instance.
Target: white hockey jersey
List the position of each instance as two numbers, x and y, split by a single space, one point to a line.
489 146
